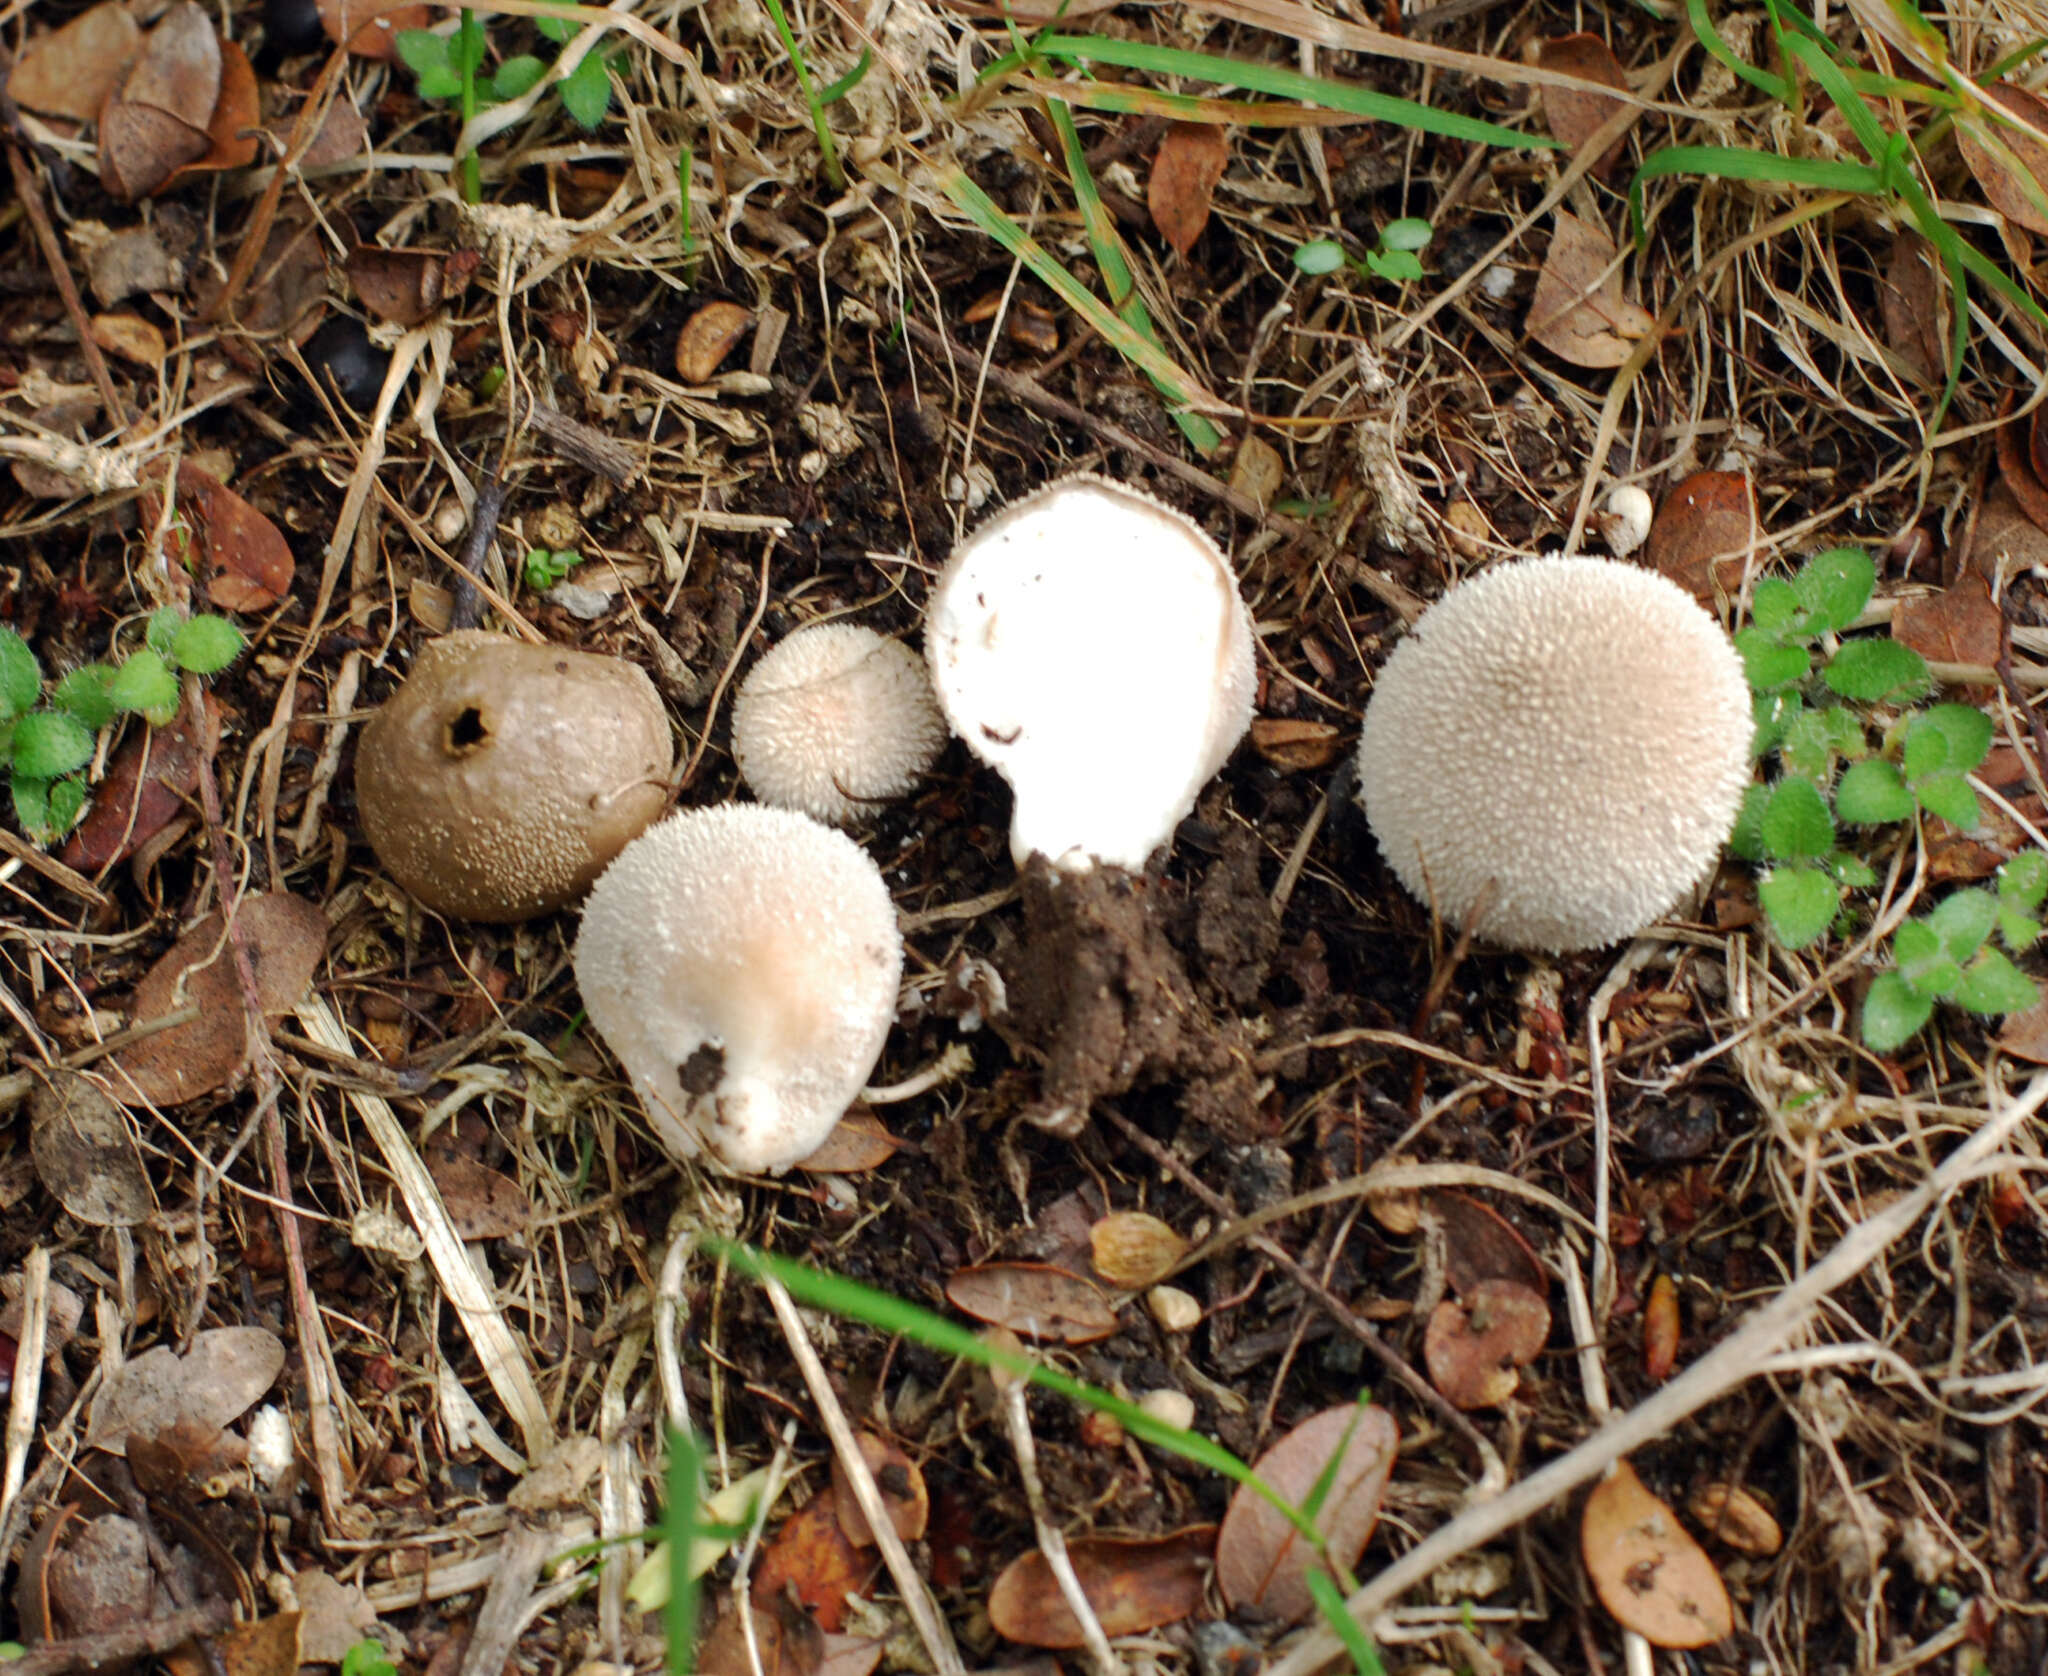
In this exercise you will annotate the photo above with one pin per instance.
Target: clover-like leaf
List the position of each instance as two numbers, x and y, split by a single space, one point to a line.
162 629
1769 663
1965 730
2023 881
48 743
1800 903
1852 870
1796 822
1746 838
1893 1012
586 91
1395 266
1834 587
21 677
1871 793
1993 984
1870 670
1962 920
1774 607
144 682
1950 797
206 644
83 692
516 76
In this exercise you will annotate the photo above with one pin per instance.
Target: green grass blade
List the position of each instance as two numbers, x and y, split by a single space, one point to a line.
1279 83
1110 257
685 1491
1365 1657
1834 82
1733 163
837 1295
827 146
1147 357
1774 87
852 79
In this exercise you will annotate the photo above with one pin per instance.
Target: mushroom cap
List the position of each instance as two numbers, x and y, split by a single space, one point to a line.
1573 731
1089 644
499 780
742 963
835 719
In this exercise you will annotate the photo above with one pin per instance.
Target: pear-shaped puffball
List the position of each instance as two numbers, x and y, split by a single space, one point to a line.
742 963
1572 733
834 720
1089 644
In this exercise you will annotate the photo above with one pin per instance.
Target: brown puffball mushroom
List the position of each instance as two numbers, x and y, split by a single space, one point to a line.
499 781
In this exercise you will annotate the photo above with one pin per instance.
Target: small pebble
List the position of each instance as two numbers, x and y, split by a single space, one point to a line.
1174 1309
1174 1408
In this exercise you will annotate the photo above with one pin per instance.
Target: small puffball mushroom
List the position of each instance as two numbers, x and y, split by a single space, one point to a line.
1626 521
502 777
1566 740
834 720
742 962
1089 644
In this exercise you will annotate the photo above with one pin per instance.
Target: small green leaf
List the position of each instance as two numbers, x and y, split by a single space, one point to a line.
1965 731
50 742
84 693
2024 879
144 682
1774 607
1852 870
1893 1012
440 84
1398 267
1808 747
555 28
1774 713
515 76
586 91
422 51
1411 232
1834 587
1796 823
1845 732
1869 670
1870 793
1962 921
21 677
466 50
1319 256
2017 930
164 623
1800 903
66 801
1769 663
1993 984
1950 797
205 645
1746 840
32 808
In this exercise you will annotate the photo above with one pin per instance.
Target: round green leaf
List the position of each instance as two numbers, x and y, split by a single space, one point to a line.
1411 232
66 802
1965 732
1746 841
1774 605
144 682
1800 903
1869 670
1962 920
1950 797
84 693
1796 822
164 623
1834 587
21 677
1870 793
1769 663
516 75
1993 984
1893 1012
49 743
1396 266
1319 256
587 91
2024 879
32 807
205 645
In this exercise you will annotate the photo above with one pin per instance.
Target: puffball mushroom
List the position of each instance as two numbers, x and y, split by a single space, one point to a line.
1565 740
1089 644
835 719
499 780
741 962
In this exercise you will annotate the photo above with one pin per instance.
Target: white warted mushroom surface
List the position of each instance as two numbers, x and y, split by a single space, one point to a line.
1567 738
1089 644
742 964
835 720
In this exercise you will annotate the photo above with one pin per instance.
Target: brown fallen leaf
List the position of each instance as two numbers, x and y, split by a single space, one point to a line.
151 777
131 337
2010 164
851 1655
2024 1035
859 1142
1578 312
401 286
903 1492
231 132
370 27
1575 116
1647 1571
1960 624
178 69
1185 170
812 1557
1480 1245
70 71
483 1203
707 337
1475 1346
1033 1300
1913 298
85 1154
1729 1513
240 554
2013 445
1703 534
1131 1584
286 935
1262 1563
141 147
1132 1248
211 1386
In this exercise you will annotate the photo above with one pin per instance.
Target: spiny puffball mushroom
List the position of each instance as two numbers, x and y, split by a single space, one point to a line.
742 964
1573 733
499 780
1089 644
835 719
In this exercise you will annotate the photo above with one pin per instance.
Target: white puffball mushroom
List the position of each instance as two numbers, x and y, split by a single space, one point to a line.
1089 644
835 719
1569 734
1625 524
742 963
